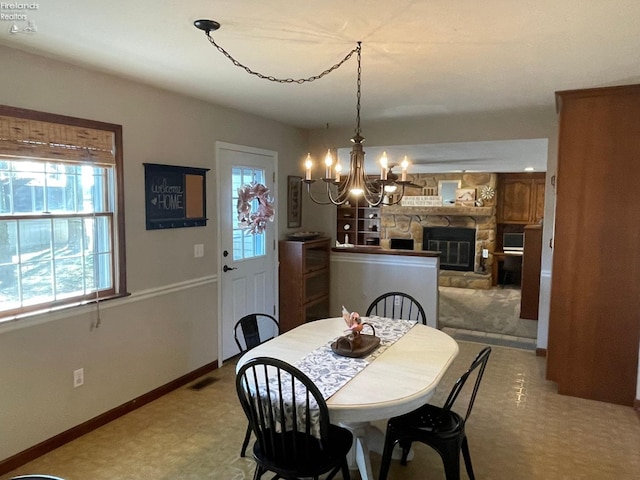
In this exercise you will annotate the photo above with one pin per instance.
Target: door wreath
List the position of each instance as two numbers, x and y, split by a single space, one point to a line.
255 221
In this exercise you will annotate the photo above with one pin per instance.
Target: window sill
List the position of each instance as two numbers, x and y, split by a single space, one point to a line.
50 314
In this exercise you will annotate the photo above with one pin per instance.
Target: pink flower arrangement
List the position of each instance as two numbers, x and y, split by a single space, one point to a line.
353 320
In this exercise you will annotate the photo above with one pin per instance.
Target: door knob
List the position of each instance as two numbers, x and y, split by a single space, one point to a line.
226 269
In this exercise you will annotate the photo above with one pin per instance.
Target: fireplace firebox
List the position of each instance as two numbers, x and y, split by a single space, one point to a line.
457 246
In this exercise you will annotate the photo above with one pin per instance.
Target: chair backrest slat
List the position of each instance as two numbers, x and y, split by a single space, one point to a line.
397 305
479 363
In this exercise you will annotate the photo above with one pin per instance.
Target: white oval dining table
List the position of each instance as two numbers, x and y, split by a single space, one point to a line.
399 380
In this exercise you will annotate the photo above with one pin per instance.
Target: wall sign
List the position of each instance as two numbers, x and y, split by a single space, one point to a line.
175 197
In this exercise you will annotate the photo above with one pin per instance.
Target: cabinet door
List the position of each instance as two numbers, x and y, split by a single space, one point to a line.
594 330
515 201
315 256
315 285
537 210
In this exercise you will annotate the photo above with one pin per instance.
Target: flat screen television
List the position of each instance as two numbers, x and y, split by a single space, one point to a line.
513 242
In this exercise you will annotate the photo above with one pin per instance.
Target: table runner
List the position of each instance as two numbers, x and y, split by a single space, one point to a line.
330 371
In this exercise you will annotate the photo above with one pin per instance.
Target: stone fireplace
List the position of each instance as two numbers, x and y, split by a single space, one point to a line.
412 222
455 244
404 222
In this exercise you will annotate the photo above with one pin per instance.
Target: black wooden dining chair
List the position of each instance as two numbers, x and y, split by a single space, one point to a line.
249 332
290 419
397 305
439 427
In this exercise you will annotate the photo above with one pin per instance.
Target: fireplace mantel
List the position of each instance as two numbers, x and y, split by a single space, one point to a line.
444 211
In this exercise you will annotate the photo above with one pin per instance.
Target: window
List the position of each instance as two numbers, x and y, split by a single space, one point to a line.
246 245
61 211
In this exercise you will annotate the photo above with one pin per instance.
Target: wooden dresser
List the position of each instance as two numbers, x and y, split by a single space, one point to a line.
304 281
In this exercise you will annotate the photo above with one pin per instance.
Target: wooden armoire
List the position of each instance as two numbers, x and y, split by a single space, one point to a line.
594 319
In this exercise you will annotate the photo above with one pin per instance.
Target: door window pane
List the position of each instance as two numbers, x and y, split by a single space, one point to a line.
245 245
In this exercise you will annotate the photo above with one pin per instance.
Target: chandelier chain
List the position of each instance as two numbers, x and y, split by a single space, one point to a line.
339 188
359 49
271 78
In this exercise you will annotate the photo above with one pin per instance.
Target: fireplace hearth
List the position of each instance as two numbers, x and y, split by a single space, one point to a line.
457 246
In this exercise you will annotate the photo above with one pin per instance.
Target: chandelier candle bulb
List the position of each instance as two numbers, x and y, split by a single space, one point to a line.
328 161
308 164
404 165
338 169
383 166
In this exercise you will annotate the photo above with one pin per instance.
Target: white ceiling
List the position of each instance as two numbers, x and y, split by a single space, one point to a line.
418 57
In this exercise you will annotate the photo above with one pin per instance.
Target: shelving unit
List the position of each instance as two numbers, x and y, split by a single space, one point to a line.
304 281
360 224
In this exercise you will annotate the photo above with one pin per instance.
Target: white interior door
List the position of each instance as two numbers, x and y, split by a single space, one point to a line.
247 275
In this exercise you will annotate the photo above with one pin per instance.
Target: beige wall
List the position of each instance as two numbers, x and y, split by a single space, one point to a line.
168 326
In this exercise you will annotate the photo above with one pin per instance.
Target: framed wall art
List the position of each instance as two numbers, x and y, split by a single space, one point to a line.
294 201
175 197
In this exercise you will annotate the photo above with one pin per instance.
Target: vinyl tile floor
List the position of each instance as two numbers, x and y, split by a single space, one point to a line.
520 428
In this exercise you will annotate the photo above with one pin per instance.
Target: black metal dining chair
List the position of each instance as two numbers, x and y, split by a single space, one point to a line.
290 419
249 332
397 305
254 329
439 427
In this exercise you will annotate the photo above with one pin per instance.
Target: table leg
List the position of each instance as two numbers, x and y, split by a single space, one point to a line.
375 442
358 457
367 438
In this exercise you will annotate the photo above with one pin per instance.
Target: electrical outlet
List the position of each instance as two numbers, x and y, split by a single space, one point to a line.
78 378
198 250
485 253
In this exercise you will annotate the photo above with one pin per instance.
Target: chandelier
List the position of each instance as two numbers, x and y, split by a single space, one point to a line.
356 182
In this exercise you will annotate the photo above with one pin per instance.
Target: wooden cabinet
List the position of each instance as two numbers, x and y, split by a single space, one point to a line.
521 197
531 260
594 327
304 281
361 225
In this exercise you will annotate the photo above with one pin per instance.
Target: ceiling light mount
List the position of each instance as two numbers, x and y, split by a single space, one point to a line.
207 25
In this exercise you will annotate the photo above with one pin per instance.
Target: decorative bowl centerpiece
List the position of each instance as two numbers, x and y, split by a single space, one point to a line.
355 343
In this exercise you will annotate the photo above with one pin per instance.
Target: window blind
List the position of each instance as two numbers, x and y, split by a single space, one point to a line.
29 138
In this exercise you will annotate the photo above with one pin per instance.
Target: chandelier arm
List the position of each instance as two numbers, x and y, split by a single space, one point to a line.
342 194
271 78
331 201
372 198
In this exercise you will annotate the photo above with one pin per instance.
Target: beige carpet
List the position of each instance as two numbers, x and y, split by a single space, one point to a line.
520 428
496 310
